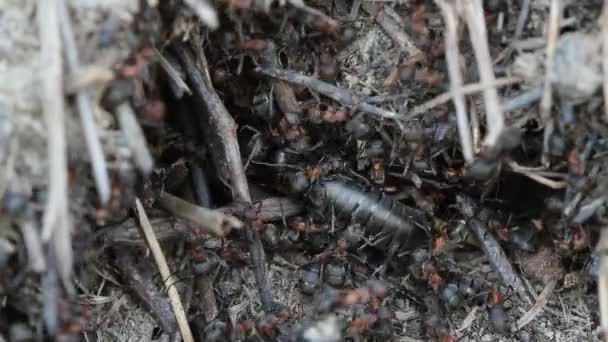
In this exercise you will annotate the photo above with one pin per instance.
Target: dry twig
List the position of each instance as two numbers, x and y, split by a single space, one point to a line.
221 132
340 95
141 283
498 258
173 74
452 57
546 102
538 307
165 272
212 221
466 90
135 138
602 282
56 222
604 27
85 108
386 18
495 122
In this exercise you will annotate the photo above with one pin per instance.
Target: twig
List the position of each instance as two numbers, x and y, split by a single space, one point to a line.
602 281
165 272
33 244
538 307
212 221
268 209
281 90
127 233
523 100
173 74
452 58
56 221
605 55
524 11
386 20
536 176
135 138
140 282
498 258
220 129
495 122
468 320
340 95
546 102
322 19
466 90
496 255
83 101
221 132
205 12
202 193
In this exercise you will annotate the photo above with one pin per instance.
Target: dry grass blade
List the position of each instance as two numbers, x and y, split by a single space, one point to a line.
452 57
56 221
495 120
212 221
165 272
85 108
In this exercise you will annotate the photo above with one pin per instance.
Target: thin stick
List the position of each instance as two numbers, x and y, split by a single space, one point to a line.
33 244
495 120
344 96
211 221
85 109
452 58
165 272
466 90
547 99
220 128
537 176
392 27
605 56
602 282
173 74
56 221
135 138
539 306
221 132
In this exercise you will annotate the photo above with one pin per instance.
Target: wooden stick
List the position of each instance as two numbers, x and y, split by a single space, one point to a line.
165 272
547 99
85 109
538 307
466 90
604 25
211 221
452 57
56 220
495 121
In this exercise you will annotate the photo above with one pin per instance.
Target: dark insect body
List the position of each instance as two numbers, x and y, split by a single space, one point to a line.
387 222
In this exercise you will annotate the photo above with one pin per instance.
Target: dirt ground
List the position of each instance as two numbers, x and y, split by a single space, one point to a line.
303 169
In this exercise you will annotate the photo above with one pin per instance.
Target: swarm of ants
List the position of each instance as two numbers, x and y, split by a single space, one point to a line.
321 172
